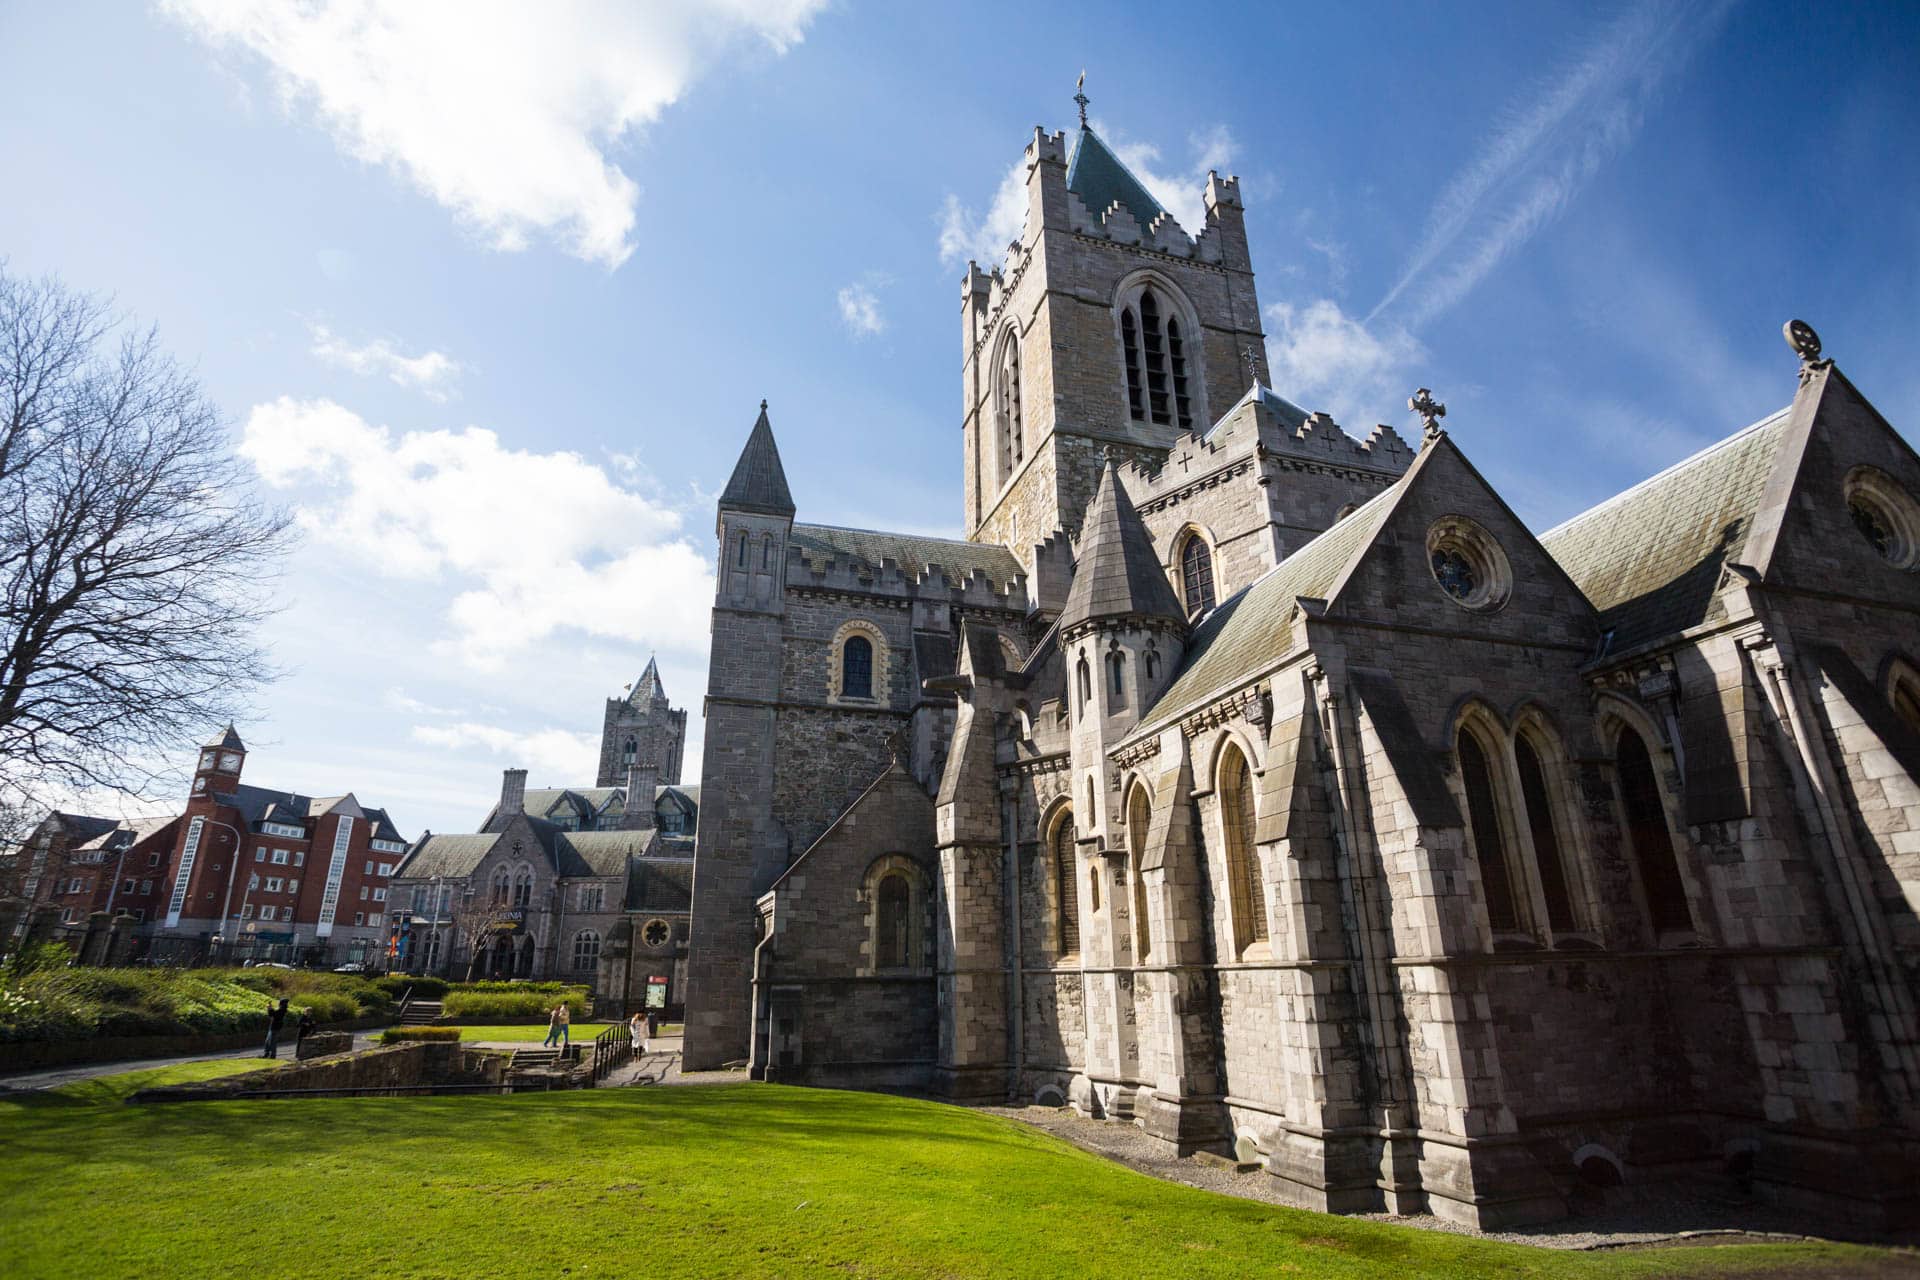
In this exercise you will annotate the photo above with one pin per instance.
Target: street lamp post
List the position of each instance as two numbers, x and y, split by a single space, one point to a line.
233 868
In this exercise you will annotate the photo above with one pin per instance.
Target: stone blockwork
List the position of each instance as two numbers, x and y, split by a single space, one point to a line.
1430 864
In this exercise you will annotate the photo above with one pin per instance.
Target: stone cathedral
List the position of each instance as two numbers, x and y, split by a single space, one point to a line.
1275 789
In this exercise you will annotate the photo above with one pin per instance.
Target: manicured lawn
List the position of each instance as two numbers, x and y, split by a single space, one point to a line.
734 1180
582 1033
119 1087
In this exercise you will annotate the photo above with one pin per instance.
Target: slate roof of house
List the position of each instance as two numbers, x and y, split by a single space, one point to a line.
1099 178
599 853
1250 630
660 884
85 827
586 801
759 482
259 804
1650 558
821 544
1118 573
126 832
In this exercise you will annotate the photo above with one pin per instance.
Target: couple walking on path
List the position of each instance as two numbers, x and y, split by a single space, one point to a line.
559 1021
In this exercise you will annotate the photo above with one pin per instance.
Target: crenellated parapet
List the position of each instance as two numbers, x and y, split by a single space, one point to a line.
905 568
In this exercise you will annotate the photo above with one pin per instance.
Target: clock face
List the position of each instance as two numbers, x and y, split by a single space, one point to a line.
199 784
206 759
230 761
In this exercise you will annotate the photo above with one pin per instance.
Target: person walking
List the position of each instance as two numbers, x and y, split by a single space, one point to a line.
304 1030
276 1018
637 1029
566 1023
553 1025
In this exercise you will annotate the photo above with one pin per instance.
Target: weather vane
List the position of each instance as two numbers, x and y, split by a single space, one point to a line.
1430 411
1080 96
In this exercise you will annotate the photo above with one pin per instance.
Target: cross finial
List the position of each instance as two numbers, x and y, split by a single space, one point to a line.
1805 343
763 406
1080 96
1250 356
1430 411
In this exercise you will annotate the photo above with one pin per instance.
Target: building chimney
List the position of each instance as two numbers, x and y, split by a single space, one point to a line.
640 788
513 792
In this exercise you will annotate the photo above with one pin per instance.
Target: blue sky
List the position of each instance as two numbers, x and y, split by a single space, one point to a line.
493 300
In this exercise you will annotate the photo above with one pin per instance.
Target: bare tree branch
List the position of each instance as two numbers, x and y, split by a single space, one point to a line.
136 565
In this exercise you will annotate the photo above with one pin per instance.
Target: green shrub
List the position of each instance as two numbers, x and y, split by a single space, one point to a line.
403 1035
397 985
495 1006
33 956
78 1004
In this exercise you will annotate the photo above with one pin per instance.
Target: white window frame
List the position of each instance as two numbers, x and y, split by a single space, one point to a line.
187 858
336 870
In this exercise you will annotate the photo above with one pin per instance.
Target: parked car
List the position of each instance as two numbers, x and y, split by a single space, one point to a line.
265 964
352 966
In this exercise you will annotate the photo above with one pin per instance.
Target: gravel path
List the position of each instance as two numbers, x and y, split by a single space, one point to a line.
1665 1215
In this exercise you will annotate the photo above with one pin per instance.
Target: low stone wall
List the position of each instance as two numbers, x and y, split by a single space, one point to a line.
399 1069
32 1055
321 1044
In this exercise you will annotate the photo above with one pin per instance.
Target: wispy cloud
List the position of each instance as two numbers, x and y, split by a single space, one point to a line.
860 311
505 114
966 235
1324 359
431 372
1546 149
551 755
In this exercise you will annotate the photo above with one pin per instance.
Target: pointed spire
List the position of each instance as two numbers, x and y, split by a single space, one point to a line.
1099 178
1118 573
759 482
228 740
648 686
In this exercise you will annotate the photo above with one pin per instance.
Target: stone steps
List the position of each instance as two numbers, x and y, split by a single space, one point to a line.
421 1013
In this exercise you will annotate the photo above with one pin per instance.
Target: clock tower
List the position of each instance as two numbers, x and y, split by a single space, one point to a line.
220 762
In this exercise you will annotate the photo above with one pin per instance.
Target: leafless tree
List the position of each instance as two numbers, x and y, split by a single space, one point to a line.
476 919
135 563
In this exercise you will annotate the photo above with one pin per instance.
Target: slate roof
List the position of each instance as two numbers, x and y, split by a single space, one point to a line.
1650 558
599 853
454 857
1249 631
1099 178
84 827
660 884
821 544
648 686
759 482
227 740
1118 574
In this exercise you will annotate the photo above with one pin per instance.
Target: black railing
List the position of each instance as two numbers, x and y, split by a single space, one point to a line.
610 1048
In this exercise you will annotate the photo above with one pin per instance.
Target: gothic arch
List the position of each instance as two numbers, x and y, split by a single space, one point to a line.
1006 387
894 895
1172 304
1228 735
1233 787
1060 838
1900 684
1139 821
1647 811
1494 819
881 656
1557 837
1196 569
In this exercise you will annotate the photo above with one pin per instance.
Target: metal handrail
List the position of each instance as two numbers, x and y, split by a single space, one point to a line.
610 1048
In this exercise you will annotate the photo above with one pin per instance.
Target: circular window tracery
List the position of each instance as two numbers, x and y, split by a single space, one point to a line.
655 933
1884 514
1468 564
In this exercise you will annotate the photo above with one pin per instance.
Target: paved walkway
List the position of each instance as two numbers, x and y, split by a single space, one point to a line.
53 1077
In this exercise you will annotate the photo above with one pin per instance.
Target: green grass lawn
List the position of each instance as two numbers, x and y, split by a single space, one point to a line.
122 1085
582 1033
734 1180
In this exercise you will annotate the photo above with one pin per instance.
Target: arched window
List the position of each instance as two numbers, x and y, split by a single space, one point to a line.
1086 684
1153 664
1243 880
1648 834
586 949
522 887
1007 411
766 551
1489 839
1139 824
895 897
1546 835
1906 699
498 885
1156 359
1066 888
740 551
856 668
1116 680
1196 574
629 751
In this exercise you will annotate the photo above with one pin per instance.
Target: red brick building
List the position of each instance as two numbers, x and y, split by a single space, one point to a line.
242 863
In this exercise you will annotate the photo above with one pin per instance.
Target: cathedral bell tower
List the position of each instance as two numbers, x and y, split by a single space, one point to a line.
1108 326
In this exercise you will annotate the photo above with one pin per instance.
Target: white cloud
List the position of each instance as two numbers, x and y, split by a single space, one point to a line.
1540 157
860 311
527 544
1182 192
430 372
556 756
503 112
1322 358
966 235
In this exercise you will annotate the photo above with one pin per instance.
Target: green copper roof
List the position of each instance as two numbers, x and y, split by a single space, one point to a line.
1098 178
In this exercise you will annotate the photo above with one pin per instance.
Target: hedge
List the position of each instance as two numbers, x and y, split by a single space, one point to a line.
403 1035
497 1006
538 988
74 1003
397 985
